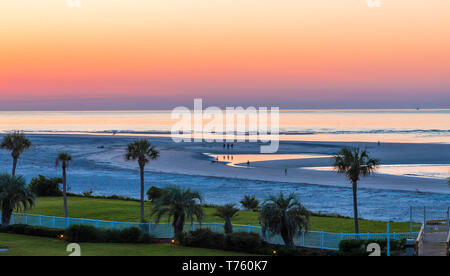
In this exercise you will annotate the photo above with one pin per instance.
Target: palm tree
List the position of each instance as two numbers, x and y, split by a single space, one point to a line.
14 195
354 164
64 159
181 204
227 212
142 151
284 216
17 143
250 202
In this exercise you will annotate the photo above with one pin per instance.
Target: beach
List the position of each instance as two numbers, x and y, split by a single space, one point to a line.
190 159
415 158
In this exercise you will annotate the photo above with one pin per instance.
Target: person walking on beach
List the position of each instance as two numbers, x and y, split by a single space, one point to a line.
248 163
285 171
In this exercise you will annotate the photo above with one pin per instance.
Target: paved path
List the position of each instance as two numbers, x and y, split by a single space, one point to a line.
434 244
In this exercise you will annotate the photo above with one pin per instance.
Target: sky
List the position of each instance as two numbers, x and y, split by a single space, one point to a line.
158 54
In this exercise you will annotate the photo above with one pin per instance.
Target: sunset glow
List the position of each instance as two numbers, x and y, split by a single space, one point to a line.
117 54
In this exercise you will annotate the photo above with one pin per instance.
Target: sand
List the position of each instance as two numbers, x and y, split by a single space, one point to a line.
189 158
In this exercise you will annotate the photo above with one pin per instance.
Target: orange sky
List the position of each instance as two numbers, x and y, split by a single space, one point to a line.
126 54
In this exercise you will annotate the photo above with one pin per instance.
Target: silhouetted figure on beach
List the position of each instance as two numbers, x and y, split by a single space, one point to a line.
285 171
248 163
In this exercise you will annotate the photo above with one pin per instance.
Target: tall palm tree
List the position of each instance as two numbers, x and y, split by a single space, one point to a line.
142 151
284 216
14 195
227 212
354 164
181 204
17 143
64 159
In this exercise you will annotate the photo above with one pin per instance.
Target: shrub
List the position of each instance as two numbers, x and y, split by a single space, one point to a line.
43 186
358 247
87 233
245 242
23 229
155 193
204 238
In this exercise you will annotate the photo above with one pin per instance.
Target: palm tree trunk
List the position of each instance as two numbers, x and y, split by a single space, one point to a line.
355 206
65 191
288 241
142 192
6 215
14 166
228 227
178 225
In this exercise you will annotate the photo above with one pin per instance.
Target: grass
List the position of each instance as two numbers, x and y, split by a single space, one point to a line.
128 211
21 245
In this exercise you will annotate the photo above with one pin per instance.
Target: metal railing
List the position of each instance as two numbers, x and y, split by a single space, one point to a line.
448 243
309 239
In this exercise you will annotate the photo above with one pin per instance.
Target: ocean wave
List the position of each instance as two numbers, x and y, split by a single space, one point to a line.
281 132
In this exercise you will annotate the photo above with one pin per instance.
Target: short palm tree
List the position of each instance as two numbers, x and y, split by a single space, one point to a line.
17 143
181 204
250 202
64 159
284 216
142 151
354 164
14 195
227 212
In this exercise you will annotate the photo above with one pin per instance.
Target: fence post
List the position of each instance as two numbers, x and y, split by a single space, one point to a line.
40 220
214 227
424 218
303 238
96 223
448 218
368 236
388 241
410 219
54 222
12 218
321 240
248 229
170 227
26 219
112 224
82 221
149 227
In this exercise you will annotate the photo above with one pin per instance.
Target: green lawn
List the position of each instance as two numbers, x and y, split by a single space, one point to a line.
21 245
128 211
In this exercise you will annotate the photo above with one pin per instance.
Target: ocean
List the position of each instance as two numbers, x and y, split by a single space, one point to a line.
85 174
